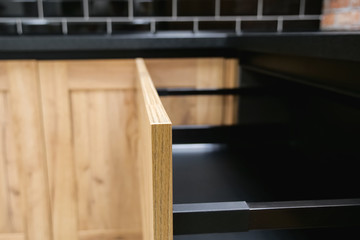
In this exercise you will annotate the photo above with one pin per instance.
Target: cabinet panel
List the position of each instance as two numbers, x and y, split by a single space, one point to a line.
90 128
197 73
26 135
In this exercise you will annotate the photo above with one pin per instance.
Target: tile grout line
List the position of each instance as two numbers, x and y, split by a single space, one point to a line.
19 26
217 8
108 26
174 9
86 9
131 9
189 19
260 9
238 26
153 26
40 7
64 26
280 24
302 8
196 25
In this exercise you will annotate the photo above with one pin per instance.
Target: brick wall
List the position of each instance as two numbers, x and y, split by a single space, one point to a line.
341 15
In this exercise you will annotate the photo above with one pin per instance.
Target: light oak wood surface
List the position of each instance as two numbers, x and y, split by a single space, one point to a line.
93 126
197 73
26 120
154 160
59 151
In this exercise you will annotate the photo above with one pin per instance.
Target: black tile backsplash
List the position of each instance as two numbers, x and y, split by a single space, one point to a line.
217 26
135 16
8 29
238 7
129 27
259 26
175 26
113 8
80 28
148 8
11 8
313 6
196 7
42 28
63 8
281 7
301 25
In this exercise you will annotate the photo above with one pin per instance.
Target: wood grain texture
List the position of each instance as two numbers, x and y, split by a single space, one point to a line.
172 73
12 236
209 74
26 118
11 219
231 80
3 76
109 234
101 74
105 131
57 128
196 73
154 159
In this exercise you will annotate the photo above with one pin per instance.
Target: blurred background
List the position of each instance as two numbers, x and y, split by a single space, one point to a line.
58 17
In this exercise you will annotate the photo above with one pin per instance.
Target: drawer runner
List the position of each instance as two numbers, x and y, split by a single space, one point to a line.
219 217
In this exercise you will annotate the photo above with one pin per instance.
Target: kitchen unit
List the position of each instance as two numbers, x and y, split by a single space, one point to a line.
87 141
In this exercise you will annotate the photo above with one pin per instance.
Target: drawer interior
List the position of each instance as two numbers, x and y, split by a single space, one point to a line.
286 143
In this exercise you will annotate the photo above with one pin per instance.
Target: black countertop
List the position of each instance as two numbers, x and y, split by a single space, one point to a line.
339 45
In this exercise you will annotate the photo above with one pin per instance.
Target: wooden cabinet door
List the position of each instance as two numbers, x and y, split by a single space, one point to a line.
85 152
24 204
90 126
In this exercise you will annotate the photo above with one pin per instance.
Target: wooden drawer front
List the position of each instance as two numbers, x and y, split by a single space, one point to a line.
86 152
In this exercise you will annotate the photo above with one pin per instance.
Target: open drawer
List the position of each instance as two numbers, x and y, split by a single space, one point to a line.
85 152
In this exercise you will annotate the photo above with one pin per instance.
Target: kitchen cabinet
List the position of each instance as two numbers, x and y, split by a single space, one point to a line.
86 144
86 151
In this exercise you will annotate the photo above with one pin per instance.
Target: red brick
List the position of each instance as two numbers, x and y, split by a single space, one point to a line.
348 18
355 3
339 4
328 20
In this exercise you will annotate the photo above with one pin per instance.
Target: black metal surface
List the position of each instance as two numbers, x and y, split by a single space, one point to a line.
331 75
246 134
305 214
242 216
218 91
210 217
339 45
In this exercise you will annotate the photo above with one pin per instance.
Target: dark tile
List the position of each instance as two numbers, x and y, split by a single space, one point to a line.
63 8
281 7
301 26
259 26
129 27
238 7
152 8
9 8
113 8
8 29
196 8
313 7
79 28
174 26
42 28
217 26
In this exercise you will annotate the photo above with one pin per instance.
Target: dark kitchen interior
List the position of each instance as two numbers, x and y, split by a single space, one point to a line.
296 134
